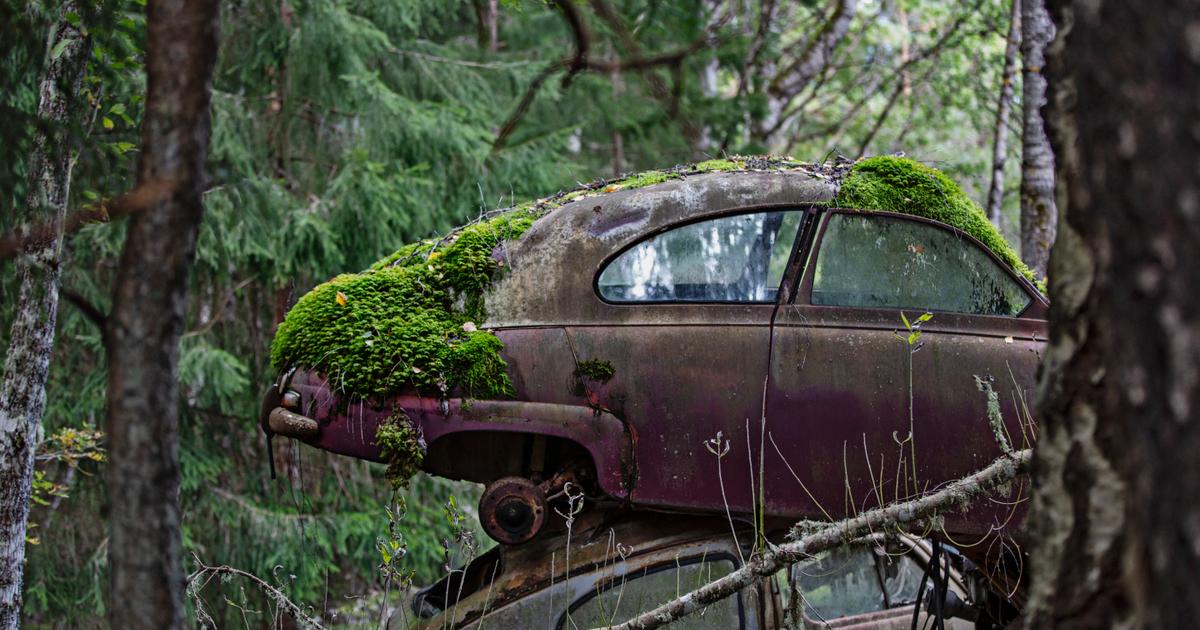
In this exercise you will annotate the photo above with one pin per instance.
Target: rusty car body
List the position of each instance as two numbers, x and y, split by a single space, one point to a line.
755 345
622 565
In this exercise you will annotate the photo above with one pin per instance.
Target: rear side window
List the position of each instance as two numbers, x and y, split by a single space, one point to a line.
875 261
637 593
738 258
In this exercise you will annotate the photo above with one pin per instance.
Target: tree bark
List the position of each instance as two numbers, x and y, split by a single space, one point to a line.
27 365
145 561
1003 105
1039 214
1115 516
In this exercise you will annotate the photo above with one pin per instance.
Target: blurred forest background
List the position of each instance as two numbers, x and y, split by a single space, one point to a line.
342 130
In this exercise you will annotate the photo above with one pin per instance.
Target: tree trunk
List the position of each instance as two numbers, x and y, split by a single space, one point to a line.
1039 214
1003 105
23 389
1115 516
145 563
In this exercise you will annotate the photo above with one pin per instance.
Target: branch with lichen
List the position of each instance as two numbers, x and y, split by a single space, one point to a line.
955 496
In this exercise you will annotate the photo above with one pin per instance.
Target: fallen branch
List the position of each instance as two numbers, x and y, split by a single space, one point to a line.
957 495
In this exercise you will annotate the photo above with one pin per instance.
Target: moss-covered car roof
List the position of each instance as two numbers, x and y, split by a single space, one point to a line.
412 319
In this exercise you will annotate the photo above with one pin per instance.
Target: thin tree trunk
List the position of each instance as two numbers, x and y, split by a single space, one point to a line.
145 560
1114 514
1003 105
27 365
1039 214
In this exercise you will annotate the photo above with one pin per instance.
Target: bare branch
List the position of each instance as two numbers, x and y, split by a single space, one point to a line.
580 62
820 49
140 198
91 311
930 53
956 495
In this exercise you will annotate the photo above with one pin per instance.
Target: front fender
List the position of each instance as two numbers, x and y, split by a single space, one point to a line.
349 429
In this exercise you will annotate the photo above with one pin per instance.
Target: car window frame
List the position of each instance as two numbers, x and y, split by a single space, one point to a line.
807 210
803 294
650 569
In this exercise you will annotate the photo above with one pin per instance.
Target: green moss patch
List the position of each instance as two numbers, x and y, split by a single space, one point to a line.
711 166
896 184
595 369
403 449
647 178
409 320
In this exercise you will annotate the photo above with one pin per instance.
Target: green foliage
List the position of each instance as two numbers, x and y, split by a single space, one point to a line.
342 129
596 369
897 184
408 321
402 447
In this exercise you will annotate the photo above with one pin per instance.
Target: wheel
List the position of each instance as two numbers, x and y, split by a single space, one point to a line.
512 510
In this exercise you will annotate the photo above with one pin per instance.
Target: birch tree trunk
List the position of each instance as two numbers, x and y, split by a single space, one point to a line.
144 327
23 389
1000 139
1115 516
1039 214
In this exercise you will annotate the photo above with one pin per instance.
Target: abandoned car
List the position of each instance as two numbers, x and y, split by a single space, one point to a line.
743 336
624 565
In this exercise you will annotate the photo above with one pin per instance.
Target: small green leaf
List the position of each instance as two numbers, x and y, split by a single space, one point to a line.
58 49
107 122
117 109
72 18
926 317
913 337
905 320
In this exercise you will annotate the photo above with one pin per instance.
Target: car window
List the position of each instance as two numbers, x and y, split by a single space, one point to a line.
889 262
624 599
738 258
839 583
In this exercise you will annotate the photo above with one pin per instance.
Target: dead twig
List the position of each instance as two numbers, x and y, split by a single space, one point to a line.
202 575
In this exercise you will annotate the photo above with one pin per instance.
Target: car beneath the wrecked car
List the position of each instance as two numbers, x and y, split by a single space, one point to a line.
624 565
736 333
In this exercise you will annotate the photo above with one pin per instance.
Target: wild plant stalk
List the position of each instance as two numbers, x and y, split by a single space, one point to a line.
204 574
720 447
914 344
574 507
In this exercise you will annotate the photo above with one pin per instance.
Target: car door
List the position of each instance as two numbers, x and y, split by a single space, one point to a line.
861 410
685 321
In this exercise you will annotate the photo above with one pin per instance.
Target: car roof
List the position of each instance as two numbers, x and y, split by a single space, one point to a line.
576 237
508 572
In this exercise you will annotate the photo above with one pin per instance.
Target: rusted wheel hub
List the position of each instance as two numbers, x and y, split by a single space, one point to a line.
512 510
